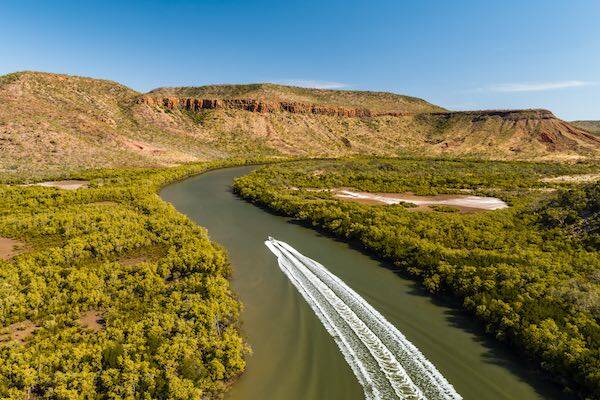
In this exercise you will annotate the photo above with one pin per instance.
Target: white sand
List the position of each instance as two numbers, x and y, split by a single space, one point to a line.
67 185
482 203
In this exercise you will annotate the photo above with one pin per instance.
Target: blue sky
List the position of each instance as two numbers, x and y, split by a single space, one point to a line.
458 54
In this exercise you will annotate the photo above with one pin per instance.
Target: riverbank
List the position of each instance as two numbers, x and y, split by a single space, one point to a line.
104 257
298 359
132 297
506 267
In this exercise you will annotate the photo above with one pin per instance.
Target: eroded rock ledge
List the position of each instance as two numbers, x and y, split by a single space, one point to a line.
253 105
511 115
195 104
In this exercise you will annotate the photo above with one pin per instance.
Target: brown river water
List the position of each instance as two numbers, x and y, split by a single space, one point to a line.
294 358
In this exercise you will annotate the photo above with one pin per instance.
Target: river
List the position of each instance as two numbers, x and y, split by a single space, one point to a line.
294 358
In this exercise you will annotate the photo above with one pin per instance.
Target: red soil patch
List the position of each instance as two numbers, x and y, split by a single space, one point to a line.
129 261
19 332
142 147
92 320
10 248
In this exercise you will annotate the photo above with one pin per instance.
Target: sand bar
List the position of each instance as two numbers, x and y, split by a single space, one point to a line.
468 201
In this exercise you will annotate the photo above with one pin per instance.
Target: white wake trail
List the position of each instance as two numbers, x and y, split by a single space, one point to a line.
385 363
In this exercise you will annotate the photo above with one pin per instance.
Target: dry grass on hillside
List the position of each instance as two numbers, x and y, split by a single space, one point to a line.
55 125
51 125
590 126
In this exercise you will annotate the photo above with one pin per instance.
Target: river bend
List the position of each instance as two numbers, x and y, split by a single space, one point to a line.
294 357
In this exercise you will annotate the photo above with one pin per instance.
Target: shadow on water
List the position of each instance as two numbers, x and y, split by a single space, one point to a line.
497 352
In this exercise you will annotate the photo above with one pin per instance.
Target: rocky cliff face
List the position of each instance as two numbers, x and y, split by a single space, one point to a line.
253 105
446 128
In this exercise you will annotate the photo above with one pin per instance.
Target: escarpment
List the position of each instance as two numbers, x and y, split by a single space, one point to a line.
254 105
54 124
538 124
509 115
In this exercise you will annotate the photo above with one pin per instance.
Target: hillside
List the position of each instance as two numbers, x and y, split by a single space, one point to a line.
52 125
508 134
379 102
590 126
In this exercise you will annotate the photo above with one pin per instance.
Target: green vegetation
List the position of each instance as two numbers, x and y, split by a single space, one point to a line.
576 211
169 322
529 273
422 176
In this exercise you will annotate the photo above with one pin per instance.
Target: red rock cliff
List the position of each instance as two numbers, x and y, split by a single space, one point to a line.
253 105
194 104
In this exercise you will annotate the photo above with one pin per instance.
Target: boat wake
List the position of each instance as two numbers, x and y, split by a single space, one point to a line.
385 363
